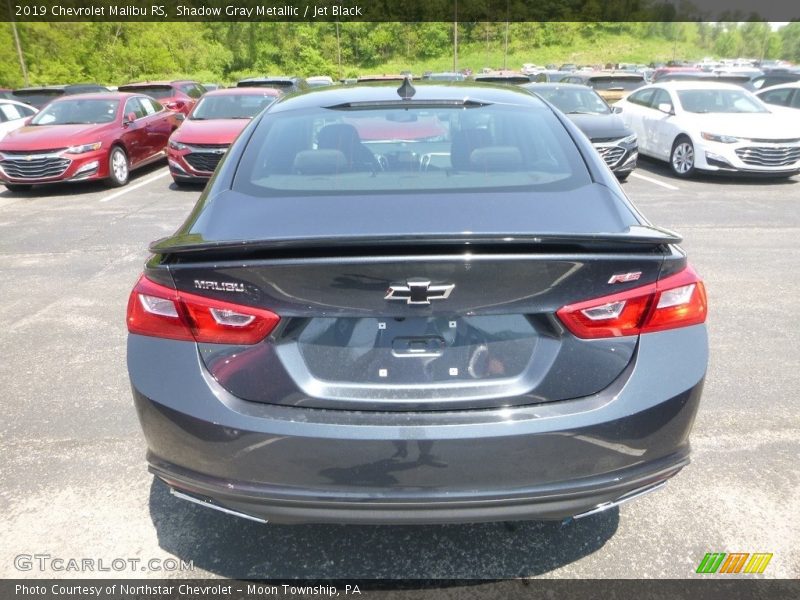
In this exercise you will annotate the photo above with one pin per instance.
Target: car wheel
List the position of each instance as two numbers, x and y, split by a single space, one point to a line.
623 178
18 187
681 160
118 168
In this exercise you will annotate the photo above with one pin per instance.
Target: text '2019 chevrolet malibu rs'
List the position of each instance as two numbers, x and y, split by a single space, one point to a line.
400 305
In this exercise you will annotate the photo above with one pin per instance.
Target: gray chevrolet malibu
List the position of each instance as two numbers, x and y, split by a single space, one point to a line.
416 305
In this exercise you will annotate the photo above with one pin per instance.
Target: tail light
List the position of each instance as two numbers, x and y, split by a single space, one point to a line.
675 301
160 311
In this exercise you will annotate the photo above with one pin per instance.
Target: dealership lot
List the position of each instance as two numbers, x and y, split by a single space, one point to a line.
74 483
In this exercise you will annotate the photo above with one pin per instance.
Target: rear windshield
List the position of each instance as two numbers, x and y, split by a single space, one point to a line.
512 80
616 83
409 149
37 98
281 84
159 92
231 107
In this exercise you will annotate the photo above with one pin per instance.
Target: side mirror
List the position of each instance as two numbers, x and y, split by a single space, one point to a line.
666 108
129 118
180 117
616 109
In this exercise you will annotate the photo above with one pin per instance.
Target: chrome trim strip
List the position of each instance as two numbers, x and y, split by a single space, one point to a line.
227 511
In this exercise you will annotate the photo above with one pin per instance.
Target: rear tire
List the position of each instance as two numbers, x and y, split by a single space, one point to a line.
623 178
18 187
119 170
682 158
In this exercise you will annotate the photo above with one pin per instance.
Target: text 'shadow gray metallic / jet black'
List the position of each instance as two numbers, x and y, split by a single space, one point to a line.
402 308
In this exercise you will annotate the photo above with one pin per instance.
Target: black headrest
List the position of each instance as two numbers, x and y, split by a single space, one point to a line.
464 142
338 136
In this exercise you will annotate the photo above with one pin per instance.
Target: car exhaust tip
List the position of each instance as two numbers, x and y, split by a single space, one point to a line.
211 505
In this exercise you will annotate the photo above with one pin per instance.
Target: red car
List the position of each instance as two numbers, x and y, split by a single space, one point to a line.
84 137
177 96
199 144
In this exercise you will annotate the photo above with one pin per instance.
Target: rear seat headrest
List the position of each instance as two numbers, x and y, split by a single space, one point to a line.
496 158
319 162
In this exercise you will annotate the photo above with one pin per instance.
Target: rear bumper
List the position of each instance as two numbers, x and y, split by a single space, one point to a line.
294 464
554 502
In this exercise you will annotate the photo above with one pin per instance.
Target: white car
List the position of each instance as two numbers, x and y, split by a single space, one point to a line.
705 126
786 96
13 115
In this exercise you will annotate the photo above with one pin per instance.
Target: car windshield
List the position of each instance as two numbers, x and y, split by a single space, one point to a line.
719 101
574 100
409 149
244 106
80 111
159 92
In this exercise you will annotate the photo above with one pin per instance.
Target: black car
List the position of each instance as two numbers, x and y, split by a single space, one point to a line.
615 142
40 96
287 84
773 77
415 304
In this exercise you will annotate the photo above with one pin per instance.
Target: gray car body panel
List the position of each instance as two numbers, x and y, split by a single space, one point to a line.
258 457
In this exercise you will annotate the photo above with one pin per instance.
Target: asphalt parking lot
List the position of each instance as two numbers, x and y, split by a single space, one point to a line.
74 483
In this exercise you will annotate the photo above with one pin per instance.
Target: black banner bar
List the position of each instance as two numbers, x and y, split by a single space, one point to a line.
465 11
714 588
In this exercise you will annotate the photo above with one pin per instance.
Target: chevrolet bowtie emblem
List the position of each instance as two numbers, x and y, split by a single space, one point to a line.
419 291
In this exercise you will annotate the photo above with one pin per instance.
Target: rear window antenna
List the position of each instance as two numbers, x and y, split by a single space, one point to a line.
406 91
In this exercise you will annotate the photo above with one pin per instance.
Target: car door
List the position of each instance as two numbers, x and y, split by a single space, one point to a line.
635 107
159 126
795 101
193 92
134 134
660 126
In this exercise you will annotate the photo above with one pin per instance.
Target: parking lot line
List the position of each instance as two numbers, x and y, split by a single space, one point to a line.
656 181
130 188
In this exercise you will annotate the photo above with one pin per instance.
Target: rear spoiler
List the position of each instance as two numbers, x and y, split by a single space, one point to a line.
640 235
